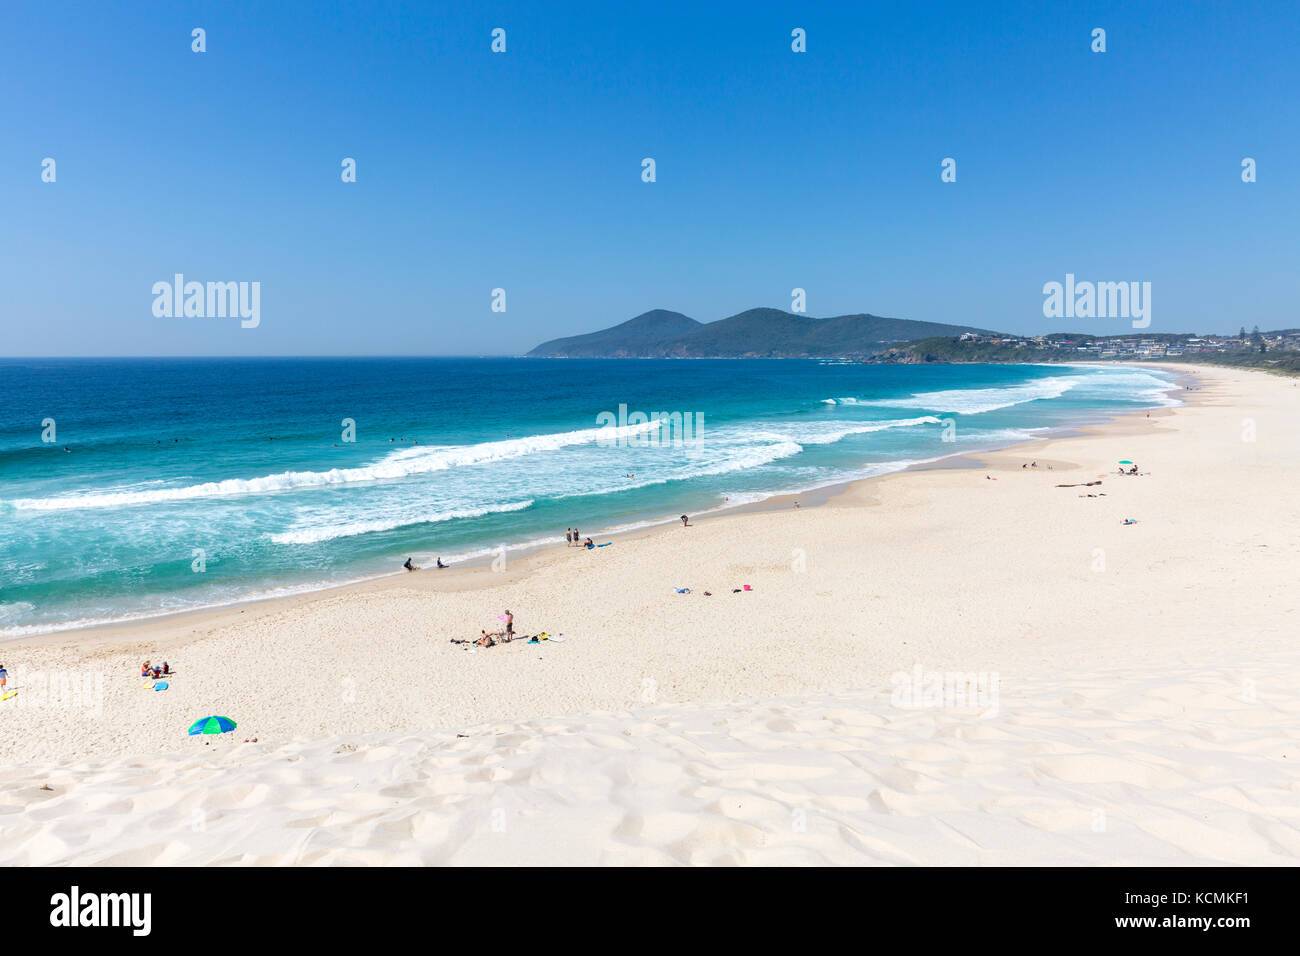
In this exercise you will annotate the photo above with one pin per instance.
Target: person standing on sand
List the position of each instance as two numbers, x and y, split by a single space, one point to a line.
4 677
576 537
685 521
510 626
568 537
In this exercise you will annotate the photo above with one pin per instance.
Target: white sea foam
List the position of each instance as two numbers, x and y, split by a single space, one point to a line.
328 532
1002 435
974 401
741 458
399 464
179 606
15 611
827 433
1138 384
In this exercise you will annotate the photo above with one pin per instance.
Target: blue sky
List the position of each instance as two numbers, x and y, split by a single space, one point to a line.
522 170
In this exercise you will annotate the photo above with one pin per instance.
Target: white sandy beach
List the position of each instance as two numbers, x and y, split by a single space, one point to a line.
1146 679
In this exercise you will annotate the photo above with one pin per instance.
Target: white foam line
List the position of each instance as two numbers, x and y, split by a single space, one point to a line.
319 533
400 464
33 630
975 401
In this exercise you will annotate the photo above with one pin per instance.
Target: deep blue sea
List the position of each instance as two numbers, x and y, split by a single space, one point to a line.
137 486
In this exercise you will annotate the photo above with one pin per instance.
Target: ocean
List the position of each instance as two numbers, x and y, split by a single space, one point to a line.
133 487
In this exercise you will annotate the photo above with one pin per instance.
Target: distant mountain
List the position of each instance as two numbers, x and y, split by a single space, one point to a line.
756 333
630 339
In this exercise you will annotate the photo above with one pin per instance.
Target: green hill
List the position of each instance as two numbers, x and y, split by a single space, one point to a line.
628 339
755 333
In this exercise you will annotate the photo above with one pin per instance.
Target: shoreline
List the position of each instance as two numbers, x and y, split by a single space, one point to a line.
391 635
212 615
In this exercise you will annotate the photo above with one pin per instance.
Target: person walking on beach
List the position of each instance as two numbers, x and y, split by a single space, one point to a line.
4 677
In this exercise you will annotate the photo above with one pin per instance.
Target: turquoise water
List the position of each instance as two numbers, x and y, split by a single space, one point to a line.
168 484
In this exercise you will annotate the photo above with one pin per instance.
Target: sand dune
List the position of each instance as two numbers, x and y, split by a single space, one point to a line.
1192 766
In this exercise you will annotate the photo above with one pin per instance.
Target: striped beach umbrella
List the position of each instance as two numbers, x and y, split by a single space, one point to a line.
212 725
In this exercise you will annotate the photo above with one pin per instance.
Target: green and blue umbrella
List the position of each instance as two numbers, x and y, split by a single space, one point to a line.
212 725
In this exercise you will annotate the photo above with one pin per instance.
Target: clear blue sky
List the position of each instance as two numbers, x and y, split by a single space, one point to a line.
523 170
